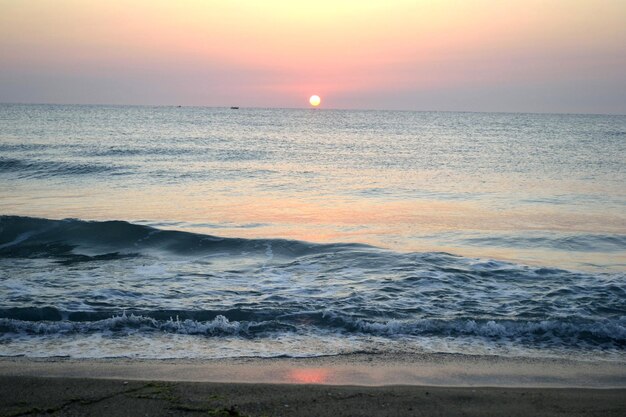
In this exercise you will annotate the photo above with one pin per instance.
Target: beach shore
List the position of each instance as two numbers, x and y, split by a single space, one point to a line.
30 396
353 385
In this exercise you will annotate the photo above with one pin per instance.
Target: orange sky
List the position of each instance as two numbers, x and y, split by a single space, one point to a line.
532 55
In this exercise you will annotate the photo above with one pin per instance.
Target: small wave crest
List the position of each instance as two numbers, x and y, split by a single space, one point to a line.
545 331
124 323
556 333
45 169
575 242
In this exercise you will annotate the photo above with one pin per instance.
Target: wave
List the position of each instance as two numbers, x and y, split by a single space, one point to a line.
76 240
116 278
577 242
615 133
21 147
39 169
563 333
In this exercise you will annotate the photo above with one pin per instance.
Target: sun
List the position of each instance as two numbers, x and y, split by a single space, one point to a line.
315 101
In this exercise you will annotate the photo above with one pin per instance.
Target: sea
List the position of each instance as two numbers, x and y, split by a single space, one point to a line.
201 233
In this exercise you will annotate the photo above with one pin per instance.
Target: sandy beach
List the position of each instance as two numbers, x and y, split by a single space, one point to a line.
23 396
356 385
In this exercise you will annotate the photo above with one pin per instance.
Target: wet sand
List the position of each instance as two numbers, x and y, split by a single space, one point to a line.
353 385
30 396
354 369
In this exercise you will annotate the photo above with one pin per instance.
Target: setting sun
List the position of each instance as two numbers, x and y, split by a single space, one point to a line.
315 101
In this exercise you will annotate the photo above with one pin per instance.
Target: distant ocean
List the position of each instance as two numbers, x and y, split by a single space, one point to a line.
188 232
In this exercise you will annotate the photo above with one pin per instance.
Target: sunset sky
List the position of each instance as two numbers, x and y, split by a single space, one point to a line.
475 55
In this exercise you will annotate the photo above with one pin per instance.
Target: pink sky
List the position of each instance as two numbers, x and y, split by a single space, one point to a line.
476 55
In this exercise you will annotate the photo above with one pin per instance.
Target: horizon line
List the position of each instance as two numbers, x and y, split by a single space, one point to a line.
306 108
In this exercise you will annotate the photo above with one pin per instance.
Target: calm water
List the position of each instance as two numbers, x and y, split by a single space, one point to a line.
170 232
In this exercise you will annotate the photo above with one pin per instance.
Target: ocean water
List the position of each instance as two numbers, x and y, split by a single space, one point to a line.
185 232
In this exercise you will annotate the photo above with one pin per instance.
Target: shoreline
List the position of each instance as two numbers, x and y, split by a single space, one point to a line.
443 370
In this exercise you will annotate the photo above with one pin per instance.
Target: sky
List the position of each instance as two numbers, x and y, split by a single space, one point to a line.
561 56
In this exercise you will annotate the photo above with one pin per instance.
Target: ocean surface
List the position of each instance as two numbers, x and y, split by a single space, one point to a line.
187 232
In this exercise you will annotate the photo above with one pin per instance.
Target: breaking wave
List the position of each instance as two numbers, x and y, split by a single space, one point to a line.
67 278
